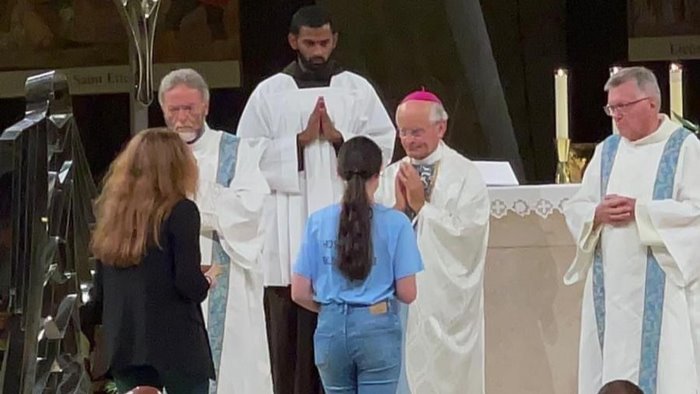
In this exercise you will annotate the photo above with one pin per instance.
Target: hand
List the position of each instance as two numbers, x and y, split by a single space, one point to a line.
615 210
328 130
212 274
415 194
400 195
313 126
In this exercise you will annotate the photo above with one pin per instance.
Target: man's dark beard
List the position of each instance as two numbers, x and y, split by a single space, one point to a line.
308 75
317 71
311 66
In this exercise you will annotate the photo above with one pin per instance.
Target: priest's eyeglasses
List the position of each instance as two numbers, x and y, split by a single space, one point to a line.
611 110
415 133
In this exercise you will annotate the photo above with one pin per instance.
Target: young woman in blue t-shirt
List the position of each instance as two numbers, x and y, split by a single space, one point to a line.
357 259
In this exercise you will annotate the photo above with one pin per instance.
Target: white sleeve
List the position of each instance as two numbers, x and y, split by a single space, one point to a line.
579 213
279 162
385 193
462 232
374 122
235 212
674 224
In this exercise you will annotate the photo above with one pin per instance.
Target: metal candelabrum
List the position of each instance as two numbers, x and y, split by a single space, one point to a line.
563 175
139 17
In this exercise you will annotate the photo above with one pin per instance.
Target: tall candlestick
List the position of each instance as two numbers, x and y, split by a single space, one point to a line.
561 100
613 70
675 78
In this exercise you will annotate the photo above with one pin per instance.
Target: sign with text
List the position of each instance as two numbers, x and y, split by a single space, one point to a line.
663 29
118 79
87 40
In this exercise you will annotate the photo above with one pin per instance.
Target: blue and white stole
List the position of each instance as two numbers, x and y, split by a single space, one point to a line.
427 173
655 276
218 296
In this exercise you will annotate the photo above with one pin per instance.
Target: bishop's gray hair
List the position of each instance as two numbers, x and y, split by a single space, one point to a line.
645 79
437 113
183 76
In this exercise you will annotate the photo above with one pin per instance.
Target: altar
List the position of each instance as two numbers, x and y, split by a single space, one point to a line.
532 318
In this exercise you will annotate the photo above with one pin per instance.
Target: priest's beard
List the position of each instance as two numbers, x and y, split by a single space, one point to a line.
189 135
316 67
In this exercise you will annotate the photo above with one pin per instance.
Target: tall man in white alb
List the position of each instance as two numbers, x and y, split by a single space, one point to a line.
306 112
230 200
636 222
444 194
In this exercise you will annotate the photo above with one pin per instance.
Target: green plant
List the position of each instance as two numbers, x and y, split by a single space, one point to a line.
111 388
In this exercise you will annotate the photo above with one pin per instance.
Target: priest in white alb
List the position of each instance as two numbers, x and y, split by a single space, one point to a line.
636 223
306 112
445 196
230 199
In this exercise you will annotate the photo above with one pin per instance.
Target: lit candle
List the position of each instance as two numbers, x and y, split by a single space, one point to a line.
613 70
675 78
561 100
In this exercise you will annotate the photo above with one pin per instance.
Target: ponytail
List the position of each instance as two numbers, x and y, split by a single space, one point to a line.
359 159
354 232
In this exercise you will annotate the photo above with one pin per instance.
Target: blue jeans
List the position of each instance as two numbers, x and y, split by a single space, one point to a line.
403 379
358 348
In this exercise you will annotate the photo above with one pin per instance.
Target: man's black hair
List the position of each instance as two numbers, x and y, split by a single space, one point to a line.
313 16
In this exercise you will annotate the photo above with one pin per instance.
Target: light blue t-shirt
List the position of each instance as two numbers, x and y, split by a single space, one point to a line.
395 250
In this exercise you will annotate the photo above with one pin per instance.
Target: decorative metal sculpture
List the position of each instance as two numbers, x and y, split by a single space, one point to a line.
50 215
139 17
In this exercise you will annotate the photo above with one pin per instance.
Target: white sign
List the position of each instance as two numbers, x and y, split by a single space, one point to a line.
497 173
118 79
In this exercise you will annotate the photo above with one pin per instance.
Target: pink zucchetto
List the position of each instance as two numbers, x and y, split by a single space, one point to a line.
422 95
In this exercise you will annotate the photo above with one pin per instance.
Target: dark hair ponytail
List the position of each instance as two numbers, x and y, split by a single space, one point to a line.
359 160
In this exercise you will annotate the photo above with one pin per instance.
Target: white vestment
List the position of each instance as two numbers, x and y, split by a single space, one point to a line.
445 329
621 308
278 110
232 236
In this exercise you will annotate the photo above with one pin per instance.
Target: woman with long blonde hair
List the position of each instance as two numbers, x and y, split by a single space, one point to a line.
148 281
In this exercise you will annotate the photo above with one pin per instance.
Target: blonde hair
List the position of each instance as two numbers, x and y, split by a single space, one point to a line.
146 180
